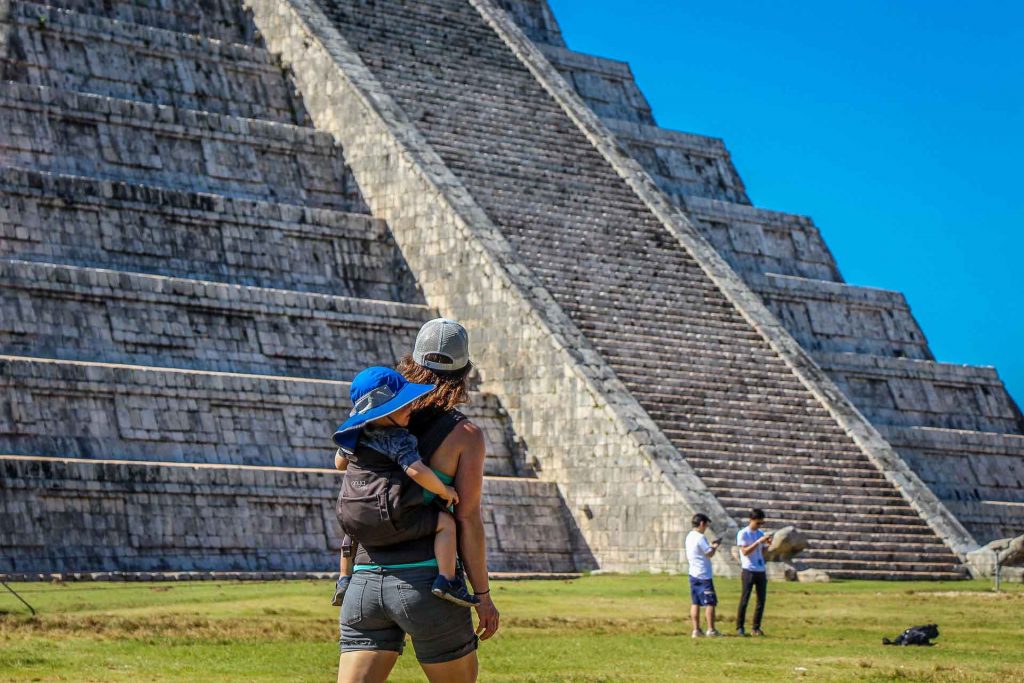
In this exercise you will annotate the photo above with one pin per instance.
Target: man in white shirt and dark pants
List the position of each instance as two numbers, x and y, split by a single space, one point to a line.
751 541
702 588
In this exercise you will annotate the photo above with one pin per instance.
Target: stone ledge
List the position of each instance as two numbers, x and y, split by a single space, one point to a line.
117 517
187 416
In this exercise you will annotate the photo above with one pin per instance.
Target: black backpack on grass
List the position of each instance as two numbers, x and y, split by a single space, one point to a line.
915 635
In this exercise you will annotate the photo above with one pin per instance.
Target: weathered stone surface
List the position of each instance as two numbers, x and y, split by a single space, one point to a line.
536 20
606 85
756 241
220 19
911 393
82 134
787 543
121 226
979 475
151 516
682 164
837 318
92 314
41 45
94 410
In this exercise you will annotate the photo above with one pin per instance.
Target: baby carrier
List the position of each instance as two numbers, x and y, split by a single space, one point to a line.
379 504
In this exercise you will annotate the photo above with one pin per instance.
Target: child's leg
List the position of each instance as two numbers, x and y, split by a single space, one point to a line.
347 562
445 545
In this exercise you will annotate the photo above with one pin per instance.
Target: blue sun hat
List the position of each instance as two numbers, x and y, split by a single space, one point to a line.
376 392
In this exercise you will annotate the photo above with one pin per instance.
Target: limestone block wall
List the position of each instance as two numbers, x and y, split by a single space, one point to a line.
220 19
536 19
759 241
95 410
87 313
67 132
41 45
681 164
626 491
607 85
894 391
65 515
834 317
109 224
979 475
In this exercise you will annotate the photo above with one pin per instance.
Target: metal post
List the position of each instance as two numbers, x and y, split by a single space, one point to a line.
997 569
23 601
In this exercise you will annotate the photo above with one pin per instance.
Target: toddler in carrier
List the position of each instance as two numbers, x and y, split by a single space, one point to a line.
389 495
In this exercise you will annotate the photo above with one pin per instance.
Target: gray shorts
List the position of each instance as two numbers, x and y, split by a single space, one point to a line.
381 606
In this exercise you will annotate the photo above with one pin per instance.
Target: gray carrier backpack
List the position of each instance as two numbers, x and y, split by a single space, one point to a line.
379 504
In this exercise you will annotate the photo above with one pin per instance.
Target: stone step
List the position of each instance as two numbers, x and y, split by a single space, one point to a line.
734 475
66 50
914 393
681 164
890 575
787 503
110 224
978 475
113 139
219 19
116 515
128 412
757 240
77 313
606 85
895 569
878 547
838 318
799 492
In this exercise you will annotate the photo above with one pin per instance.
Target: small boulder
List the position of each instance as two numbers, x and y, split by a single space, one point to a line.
786 543
813 576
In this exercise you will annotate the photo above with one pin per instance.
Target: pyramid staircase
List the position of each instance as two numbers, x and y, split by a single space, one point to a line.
734 409
957 426
188 276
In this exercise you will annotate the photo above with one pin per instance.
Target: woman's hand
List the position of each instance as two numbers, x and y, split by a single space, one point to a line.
487 614
450 495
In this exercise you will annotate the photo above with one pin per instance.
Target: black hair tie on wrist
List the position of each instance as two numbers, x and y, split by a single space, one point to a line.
482 592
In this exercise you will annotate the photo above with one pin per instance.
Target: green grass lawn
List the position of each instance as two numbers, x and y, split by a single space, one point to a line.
601 628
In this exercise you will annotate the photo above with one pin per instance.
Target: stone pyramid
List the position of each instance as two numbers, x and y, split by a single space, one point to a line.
212 215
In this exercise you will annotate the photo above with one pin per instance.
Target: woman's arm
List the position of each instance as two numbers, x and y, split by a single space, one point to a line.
469 481
425 477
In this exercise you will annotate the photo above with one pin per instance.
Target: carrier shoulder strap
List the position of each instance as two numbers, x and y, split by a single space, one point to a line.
431 427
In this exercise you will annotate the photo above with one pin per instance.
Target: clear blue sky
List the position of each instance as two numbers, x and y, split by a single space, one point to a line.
897 125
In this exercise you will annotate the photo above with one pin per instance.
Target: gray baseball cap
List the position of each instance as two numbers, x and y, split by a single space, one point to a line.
446 343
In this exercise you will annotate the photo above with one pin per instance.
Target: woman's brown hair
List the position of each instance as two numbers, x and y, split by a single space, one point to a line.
452 386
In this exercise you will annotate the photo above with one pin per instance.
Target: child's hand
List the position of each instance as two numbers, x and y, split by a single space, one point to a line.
450 495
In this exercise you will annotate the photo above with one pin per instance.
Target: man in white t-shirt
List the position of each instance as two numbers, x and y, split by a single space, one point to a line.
702 588
751 542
